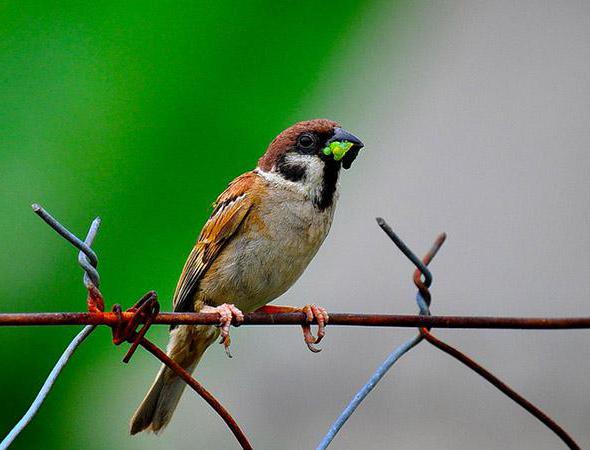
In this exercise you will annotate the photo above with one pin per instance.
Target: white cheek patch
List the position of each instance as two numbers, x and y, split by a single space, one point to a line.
311 185
314 169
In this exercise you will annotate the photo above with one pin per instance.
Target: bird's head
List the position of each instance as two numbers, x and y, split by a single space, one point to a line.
309 155
309 143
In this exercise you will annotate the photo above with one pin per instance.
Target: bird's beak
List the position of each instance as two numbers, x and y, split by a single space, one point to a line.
343 146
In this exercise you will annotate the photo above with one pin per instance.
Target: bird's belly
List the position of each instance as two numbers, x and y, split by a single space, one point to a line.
259 266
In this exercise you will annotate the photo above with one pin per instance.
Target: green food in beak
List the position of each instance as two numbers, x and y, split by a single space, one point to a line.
338 149
343 146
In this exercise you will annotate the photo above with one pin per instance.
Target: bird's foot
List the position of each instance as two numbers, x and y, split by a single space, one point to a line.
311 312
321 316
227 312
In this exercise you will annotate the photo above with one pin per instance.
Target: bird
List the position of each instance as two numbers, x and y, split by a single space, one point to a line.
264 230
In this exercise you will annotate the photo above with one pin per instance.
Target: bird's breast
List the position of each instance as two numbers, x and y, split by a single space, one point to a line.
277 241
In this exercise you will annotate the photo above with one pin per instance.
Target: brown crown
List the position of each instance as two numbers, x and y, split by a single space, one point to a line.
286 140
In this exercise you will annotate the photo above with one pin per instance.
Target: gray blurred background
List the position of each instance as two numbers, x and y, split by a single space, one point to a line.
488 140
475 120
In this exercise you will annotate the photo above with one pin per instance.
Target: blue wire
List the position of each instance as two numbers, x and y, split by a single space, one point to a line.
375 378
368 387
88 260
49 382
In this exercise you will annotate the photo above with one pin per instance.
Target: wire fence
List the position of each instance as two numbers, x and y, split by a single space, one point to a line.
132 325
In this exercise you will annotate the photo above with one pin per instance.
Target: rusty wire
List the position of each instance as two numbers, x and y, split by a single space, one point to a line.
146 312
503 387
423 279
124 328
296 318
424 298
401 350
424 292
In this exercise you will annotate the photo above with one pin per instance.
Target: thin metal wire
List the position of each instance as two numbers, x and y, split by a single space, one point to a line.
423 299
46 388
400 350
504 388
88 260
401 245
366 389
204 393
85 261
89 263
296 318
124 327
91 275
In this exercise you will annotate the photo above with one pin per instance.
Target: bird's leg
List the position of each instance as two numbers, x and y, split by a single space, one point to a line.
311 312
227 312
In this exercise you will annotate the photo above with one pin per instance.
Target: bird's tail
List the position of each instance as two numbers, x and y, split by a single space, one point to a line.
187 345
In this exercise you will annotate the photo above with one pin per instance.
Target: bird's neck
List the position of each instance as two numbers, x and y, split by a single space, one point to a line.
318 183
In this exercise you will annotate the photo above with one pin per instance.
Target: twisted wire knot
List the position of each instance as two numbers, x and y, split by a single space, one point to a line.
144 311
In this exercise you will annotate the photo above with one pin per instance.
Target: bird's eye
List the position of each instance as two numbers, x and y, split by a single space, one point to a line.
306 141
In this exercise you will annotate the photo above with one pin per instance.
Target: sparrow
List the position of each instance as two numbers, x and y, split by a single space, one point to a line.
264 230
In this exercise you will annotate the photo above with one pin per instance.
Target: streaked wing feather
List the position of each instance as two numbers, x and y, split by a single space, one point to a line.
230 210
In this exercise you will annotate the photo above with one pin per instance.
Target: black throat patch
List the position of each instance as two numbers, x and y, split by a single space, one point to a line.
330 181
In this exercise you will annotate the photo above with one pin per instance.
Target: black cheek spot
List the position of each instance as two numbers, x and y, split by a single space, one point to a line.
291 172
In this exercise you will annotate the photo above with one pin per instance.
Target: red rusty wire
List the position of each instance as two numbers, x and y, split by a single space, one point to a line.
125 330
478 368
146 312
336 319
199 389
503 387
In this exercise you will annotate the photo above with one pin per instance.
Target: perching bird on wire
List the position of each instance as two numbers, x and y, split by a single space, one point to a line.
264 230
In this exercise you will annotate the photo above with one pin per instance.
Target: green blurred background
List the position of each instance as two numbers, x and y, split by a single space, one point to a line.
474 116
142 113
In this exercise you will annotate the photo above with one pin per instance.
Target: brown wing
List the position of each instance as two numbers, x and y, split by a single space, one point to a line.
230 210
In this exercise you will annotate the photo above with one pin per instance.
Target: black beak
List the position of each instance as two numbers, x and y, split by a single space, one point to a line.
343 135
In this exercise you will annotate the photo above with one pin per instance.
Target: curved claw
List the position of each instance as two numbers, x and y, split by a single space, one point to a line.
227 312
321 316
313 348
